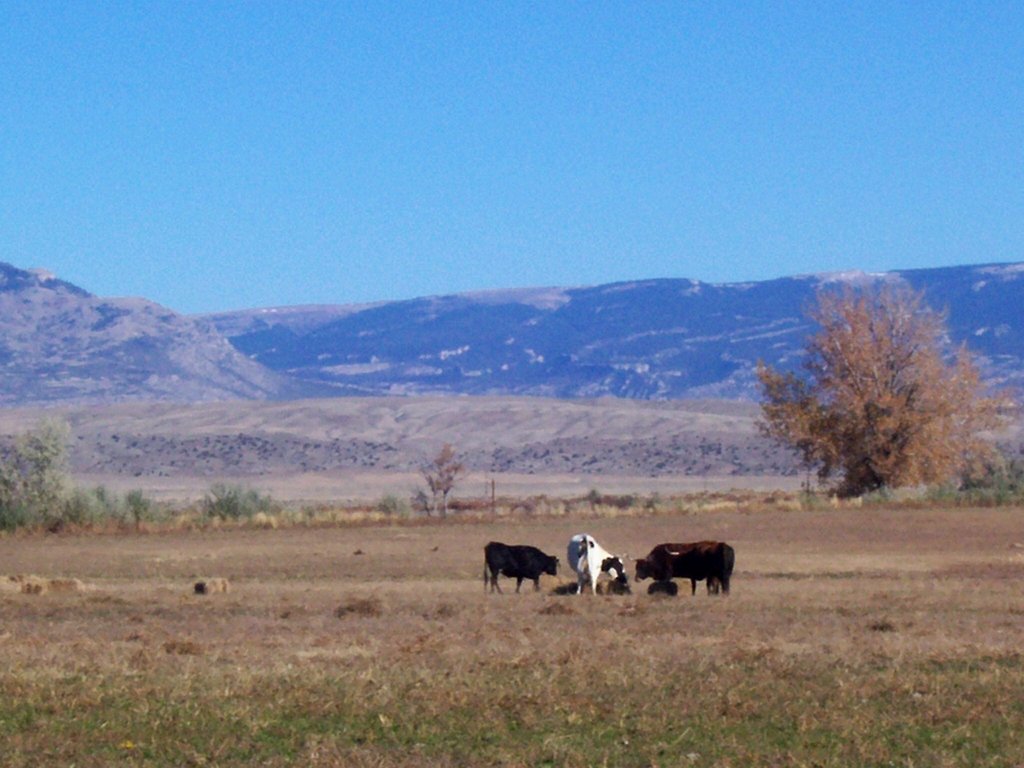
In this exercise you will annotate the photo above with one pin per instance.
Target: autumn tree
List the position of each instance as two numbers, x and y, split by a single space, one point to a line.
879 406
441 474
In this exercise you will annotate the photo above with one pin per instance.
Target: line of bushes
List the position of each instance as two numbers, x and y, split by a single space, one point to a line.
36 492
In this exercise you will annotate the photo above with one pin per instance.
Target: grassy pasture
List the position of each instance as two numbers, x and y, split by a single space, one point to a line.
862 637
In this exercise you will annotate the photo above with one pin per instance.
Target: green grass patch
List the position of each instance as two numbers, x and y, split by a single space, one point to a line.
750 711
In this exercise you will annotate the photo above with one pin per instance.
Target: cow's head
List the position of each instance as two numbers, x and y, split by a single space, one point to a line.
551 566
621 582
614 567
643 569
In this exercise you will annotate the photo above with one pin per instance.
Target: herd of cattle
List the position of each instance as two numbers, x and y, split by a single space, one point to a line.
710 561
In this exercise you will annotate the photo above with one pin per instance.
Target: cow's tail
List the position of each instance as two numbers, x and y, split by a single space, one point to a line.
728 561
485 574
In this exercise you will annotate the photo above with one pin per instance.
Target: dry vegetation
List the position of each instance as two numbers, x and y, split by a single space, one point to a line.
359 448
859 637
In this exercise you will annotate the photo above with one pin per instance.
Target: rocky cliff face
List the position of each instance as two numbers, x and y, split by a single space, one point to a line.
61 344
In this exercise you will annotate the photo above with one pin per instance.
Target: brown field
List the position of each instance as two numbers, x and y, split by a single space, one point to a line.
855 637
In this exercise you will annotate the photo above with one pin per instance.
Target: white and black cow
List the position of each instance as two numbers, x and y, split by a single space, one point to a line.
517 561
589 560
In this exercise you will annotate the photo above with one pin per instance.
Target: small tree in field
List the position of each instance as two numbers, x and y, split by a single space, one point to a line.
879 407
34 476
441 474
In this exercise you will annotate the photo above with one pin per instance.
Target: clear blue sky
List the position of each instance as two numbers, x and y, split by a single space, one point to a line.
221 155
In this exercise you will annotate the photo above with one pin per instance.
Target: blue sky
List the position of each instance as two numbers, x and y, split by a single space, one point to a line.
221 155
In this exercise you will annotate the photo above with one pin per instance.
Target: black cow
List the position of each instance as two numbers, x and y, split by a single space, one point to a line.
711 560
517 561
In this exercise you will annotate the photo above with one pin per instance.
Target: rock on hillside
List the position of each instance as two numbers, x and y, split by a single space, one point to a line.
59 343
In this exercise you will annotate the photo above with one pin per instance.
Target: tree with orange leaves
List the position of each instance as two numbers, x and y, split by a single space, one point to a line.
879 406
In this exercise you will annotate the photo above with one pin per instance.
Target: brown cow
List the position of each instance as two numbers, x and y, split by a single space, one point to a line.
711 560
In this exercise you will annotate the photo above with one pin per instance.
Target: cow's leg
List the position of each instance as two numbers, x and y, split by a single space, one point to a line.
536 584
693 587
519 583
491 579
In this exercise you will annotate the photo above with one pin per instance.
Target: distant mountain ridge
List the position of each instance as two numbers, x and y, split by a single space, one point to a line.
652 339
61 344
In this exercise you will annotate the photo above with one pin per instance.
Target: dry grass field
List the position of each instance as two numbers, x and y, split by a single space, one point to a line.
857 637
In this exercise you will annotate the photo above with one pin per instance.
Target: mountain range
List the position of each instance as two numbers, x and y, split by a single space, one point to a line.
652 339
659 339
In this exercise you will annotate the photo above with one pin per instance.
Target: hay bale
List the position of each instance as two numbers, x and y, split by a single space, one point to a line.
10 584
212 587
33 585
64 585
37 585
664 588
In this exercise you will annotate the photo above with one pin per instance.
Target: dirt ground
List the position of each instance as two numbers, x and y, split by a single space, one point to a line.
839 589
913 566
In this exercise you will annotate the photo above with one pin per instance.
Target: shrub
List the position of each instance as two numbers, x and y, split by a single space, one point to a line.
33 476
1000 481
86 507
421 502
392 505
139 507
92 506
14 516
234 502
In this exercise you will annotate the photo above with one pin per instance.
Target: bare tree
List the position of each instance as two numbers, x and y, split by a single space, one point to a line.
441 474
879 406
